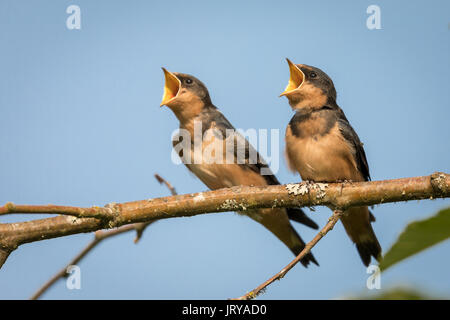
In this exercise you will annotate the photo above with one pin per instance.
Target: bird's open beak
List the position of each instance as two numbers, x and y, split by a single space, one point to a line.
171 87
296 78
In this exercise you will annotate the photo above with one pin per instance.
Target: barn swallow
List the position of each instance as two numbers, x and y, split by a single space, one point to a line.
190 101
322 146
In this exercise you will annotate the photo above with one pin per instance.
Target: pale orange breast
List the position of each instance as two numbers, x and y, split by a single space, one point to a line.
322 158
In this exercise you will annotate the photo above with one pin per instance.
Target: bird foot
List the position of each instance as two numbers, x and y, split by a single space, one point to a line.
344 183
309 185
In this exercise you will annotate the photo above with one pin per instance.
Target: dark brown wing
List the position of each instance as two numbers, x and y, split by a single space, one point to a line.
352 138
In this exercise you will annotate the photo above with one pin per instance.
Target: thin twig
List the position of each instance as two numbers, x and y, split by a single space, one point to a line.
161 180
99 236
93 212
261 288
4 254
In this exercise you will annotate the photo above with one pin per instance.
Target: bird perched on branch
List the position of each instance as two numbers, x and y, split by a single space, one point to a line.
322 146
221 157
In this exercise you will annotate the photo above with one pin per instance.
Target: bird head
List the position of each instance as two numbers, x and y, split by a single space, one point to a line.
181 90
308 87
185 95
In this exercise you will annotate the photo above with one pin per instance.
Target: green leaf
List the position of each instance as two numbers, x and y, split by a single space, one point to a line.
397 293
418 236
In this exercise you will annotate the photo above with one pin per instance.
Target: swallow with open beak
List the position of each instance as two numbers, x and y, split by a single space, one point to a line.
190 101
322 146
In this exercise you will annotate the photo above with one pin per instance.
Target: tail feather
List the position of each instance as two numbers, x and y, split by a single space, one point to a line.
298 215
369 249
357 222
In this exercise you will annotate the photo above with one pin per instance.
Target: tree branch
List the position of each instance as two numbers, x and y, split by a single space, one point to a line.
242 198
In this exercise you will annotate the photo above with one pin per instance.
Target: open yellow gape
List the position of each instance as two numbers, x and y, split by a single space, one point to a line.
296 78
171 87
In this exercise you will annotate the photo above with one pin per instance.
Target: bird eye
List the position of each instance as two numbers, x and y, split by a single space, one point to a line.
312 75
189 81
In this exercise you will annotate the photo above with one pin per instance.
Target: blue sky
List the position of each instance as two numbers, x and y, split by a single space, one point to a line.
81 125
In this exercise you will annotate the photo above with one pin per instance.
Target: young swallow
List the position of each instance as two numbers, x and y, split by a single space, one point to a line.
322 146
190 101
